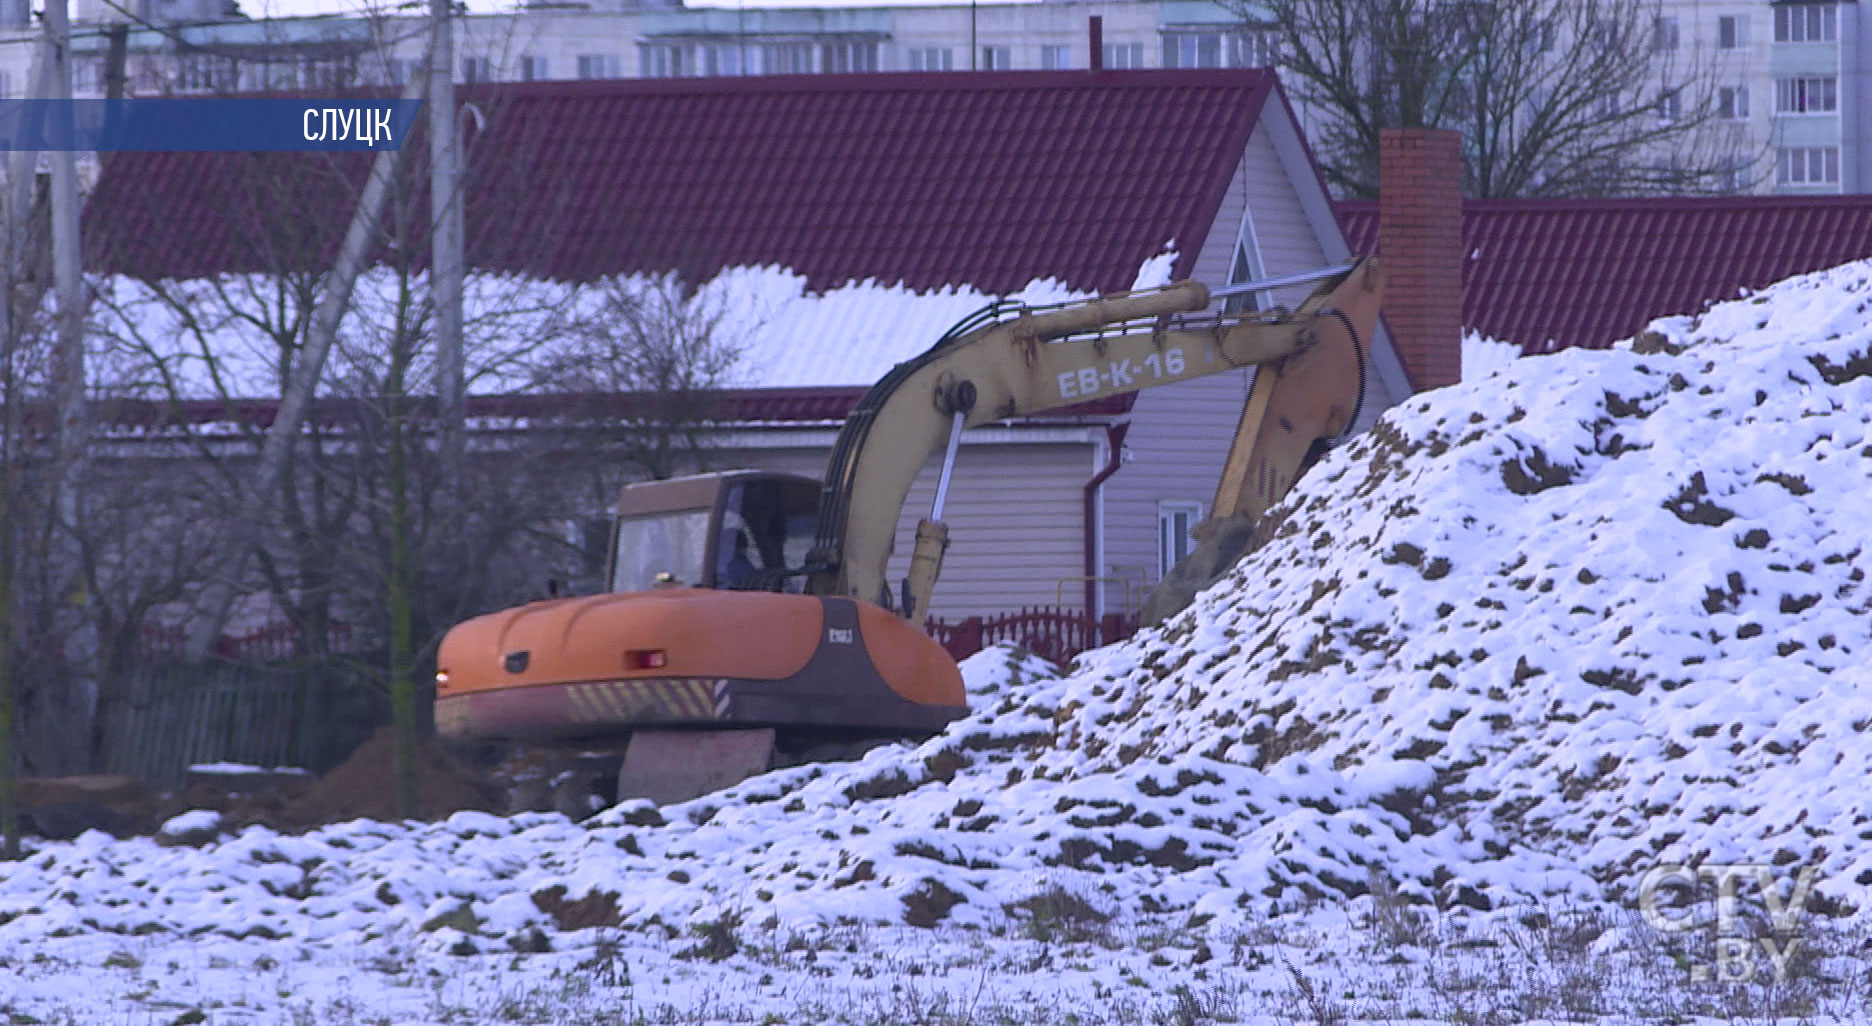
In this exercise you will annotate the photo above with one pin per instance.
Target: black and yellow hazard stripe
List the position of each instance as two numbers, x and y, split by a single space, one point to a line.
648 700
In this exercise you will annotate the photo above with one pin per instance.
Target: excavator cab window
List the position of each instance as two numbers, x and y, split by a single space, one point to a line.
767 526
659 543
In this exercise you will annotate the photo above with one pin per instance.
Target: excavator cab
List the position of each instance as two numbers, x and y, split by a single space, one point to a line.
735 531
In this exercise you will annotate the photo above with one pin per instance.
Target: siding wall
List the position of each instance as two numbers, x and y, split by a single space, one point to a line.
1014 512
1180 433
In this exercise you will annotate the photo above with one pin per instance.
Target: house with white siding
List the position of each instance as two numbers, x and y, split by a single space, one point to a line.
848 222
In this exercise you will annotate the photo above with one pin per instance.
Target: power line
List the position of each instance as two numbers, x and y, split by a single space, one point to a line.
174 31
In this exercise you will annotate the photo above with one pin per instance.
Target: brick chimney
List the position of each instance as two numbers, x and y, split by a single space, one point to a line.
1420 241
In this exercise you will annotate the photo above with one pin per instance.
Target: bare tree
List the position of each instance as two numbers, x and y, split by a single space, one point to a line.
649 354
1553 97
358 527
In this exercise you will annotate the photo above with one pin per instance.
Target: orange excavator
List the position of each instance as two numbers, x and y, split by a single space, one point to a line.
749 622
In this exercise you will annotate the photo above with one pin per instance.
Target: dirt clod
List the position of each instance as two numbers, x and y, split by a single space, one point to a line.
362 787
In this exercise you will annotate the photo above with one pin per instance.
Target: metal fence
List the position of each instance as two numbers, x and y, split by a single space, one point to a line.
254 703
1049 631
177 715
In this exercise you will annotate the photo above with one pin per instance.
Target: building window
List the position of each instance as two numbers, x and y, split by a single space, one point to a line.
1123 55
1806 23
477 69
600 65
1668 106
1732 103
1664 35
848 56
723 59
1737 176
1242 270
996 58
206 74
787 58
659 60
1606 35
1175 521
1193 50
399 71
1055 58
324 73
930 58
1807 165
533 69
1732 32
1255 48
1817 95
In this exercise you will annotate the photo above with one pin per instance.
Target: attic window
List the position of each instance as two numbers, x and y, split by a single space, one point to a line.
1242 269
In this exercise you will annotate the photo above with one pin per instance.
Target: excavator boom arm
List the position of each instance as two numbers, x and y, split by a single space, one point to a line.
1050 359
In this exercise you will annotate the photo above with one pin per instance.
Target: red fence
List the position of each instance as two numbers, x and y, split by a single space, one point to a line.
274 641
1049 631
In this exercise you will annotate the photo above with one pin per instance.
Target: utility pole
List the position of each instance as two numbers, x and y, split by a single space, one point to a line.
13 212
445 285
72 448
445 256
117 54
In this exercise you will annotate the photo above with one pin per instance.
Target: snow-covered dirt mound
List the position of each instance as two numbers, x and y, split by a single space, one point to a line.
1533 634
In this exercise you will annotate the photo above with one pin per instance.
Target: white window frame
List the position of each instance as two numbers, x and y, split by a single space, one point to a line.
1732 103
723 59
664 60
790 58
1732 32
1807 165
476 69
995 58
1122 56
929 58
1182 49
599 66
1806 23
1666 33
533 68
1669 106
1254 48
847 56
1171 548
1807 94
1055 57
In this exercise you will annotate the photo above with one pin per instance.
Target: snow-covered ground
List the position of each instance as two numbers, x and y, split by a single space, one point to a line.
1533 641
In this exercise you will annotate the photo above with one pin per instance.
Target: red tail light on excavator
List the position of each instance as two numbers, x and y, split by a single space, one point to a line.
645 659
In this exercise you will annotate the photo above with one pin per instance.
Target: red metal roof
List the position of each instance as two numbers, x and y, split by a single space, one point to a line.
928 179
1588 272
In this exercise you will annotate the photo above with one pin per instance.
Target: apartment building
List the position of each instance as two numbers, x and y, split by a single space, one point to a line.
1794 77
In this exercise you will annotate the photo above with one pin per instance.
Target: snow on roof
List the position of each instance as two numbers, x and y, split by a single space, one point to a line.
1531 635
212 337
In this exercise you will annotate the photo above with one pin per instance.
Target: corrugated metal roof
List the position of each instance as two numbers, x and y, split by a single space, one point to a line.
987 179
1586 273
